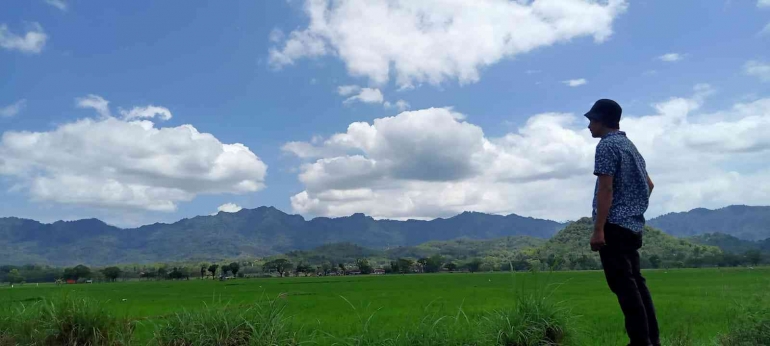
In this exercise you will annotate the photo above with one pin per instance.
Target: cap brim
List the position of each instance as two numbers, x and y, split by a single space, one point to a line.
592 115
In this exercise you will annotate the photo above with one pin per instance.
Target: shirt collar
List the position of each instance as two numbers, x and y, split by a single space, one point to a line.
614 133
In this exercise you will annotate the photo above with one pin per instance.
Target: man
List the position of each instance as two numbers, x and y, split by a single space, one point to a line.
621 197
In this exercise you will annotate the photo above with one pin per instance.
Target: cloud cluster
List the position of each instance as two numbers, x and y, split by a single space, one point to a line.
671 57
758 69
60 4
356 93
126 163
433 41
432 163
32 42
229 208
575 82
13 109
366 95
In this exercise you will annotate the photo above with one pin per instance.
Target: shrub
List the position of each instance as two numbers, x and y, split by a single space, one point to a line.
63 321
534 321
259 324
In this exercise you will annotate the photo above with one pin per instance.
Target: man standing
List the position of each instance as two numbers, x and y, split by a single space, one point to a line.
621 197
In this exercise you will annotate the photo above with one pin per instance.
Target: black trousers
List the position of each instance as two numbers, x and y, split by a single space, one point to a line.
620 260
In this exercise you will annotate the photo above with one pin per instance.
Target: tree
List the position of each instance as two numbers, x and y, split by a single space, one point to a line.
474 265
421 263
553 262
326 267
655 261
280 265
178 274
78 272
404 265
753 256
299 268
213 270
342 268
162 273
234 268
203 270
14 277
225 269
433 264
364 266
112 273
303 268
451 266
394 267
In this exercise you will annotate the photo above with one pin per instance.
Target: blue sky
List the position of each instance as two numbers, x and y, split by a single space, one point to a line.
693 78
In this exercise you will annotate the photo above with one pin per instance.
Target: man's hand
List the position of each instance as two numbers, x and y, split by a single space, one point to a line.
597 240
603 204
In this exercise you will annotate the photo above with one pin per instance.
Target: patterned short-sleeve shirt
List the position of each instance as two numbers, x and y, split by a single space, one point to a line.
617 156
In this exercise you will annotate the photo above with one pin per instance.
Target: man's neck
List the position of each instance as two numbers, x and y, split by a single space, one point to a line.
610 132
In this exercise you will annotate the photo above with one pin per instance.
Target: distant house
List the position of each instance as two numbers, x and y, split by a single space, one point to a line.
70 281
353 272
378 271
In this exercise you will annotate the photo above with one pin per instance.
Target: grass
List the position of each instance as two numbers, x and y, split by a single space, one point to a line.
259 324
749 323
63 321
439 309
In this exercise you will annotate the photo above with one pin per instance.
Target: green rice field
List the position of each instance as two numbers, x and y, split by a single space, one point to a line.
693 304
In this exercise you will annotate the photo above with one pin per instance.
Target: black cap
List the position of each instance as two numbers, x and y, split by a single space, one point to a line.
607 111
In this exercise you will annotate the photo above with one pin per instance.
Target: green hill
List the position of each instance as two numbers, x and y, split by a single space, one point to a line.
568 249
571 246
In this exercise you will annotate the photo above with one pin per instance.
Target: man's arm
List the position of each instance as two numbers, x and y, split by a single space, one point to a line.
650 184
603 204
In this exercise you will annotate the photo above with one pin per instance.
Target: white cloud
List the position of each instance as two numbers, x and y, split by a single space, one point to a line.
146 112
432 41
575 82
115 163
276 35
401 105
96 102
229 208
60 4
431 163
32 42
763 3
671 57
757 69
345 90
13 109
366 95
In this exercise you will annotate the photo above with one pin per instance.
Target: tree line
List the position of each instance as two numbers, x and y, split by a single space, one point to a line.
520 261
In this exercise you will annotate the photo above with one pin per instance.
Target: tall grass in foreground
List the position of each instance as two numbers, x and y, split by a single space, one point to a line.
63 321
749 325
260 324
534 319
530 322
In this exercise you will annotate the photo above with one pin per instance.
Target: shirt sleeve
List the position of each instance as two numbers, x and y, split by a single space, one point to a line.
606 160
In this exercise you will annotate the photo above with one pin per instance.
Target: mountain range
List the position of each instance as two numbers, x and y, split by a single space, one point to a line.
740 221
249 232
268 231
